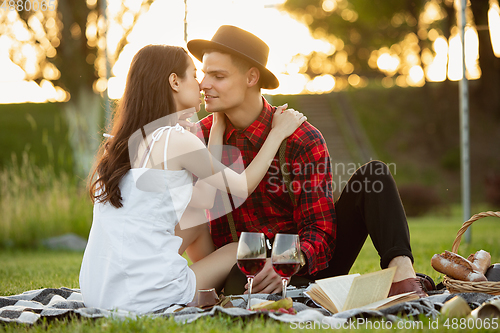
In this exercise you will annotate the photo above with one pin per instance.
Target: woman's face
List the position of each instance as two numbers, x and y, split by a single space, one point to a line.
188 94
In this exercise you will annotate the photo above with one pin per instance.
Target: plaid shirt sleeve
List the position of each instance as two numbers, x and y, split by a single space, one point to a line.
312 186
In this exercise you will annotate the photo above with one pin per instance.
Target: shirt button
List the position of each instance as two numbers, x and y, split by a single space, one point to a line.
269 230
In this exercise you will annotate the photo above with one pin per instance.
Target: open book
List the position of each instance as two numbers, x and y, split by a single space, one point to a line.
346 292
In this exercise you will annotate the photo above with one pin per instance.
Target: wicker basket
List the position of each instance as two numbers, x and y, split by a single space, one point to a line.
458 286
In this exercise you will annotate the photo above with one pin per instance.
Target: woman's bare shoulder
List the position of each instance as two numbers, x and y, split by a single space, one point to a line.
180 143
186 139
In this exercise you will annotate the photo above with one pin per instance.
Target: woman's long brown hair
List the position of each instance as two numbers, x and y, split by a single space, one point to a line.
148 96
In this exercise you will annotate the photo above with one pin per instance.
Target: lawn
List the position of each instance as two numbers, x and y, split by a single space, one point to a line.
40 197
38 130
22 270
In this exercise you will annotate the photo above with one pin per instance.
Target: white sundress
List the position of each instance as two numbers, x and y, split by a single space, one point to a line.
131 261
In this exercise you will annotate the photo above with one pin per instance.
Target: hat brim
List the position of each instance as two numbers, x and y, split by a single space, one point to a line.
198 46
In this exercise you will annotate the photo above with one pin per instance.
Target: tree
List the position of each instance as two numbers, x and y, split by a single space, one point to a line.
68 38
362 26
362 30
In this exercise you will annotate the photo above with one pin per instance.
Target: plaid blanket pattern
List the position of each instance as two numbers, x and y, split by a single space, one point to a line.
30 306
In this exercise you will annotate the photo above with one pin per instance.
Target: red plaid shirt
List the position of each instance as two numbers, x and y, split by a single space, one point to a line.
269 208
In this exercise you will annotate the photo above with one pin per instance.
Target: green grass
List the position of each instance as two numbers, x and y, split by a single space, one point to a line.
209 325
23 270
434 234
146 324
38 130
37 203
40 198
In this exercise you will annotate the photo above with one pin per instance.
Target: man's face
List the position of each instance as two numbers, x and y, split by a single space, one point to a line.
224 84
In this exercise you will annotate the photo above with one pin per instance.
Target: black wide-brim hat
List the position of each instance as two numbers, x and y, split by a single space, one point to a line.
233 40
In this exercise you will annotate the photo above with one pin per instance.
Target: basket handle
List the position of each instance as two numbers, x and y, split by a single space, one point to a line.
456 243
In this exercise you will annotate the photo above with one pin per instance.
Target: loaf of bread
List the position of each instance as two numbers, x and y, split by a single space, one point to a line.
480 260
456 267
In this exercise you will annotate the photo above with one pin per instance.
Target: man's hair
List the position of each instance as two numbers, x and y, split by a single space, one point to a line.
243 65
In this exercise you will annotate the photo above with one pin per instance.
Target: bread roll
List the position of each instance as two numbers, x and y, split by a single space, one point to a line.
480 260
456 267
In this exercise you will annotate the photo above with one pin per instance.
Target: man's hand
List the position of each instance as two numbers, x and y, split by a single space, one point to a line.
267 281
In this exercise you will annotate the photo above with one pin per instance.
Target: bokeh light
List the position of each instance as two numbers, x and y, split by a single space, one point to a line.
436 70
416 77
388 63
455 59
431 13
321 84
329 5
403 64
494 24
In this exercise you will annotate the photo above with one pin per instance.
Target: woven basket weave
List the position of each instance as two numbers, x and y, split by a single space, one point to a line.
458 286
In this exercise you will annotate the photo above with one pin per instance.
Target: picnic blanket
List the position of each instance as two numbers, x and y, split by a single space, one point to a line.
30 306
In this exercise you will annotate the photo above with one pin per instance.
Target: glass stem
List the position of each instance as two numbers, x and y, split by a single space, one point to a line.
284 281
250 282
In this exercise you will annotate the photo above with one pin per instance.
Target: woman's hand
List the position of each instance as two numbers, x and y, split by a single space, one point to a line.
216 134
219 122
184 120
285 122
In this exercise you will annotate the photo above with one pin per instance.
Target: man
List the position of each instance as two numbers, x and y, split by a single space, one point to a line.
331 236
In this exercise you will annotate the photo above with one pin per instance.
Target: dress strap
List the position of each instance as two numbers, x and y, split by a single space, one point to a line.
156 137
178 128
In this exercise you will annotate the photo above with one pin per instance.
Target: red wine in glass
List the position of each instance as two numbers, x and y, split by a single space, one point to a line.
286 269
285 257
251 257
250 267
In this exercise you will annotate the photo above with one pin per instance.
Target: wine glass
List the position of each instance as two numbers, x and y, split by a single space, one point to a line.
251 257
286 257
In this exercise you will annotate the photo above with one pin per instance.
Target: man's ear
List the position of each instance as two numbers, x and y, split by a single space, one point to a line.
253 76
173 79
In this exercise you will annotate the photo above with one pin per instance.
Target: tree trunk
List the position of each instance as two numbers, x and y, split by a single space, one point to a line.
84 115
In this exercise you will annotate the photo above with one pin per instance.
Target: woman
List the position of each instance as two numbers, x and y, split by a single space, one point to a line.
142 185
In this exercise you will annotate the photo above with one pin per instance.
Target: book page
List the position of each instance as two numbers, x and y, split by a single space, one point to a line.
393 300
369 288
337 288
320 298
